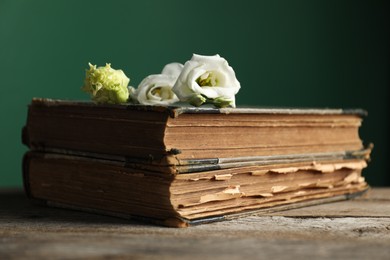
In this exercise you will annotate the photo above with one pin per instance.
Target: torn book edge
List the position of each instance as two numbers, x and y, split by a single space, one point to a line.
179 222
199 165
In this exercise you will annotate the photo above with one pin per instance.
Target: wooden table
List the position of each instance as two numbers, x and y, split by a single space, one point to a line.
357 229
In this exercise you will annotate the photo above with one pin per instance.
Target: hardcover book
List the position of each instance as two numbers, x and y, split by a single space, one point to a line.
181 166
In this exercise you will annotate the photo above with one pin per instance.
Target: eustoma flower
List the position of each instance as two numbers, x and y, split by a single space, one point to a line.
106 85
157 89
207 79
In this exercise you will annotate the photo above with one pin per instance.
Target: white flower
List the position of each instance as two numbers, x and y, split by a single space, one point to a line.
207 79
157 89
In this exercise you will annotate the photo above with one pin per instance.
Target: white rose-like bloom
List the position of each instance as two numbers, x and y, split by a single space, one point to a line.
157 89
207 79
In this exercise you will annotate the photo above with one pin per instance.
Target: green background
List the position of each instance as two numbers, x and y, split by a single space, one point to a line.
285 53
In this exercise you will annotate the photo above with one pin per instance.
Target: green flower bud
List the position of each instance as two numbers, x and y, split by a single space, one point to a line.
106 85
221 102
197 100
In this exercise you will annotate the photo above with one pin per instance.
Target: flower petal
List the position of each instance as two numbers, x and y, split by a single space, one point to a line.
173 69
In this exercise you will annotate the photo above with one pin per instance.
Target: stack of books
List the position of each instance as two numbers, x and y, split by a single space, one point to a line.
182 166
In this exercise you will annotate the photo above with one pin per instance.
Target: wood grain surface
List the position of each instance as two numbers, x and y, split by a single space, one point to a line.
357 229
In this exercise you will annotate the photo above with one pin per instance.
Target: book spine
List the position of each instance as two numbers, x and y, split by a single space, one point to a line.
26 179
25 174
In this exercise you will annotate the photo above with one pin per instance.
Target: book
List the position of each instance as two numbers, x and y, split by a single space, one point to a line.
182 166
180 200
191 139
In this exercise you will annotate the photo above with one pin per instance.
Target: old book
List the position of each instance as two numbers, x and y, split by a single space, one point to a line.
187 139
182 166
183 199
